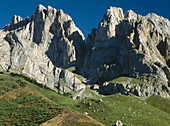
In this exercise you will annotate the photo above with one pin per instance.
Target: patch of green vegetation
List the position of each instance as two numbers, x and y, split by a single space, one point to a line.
88 93
31 80
159 102
72 69
28 98
168 39
3 72
128 109
33 113
6 86
27 105
54 96
119 80
21 79
6 109
32 103
8 83
28 110
127 80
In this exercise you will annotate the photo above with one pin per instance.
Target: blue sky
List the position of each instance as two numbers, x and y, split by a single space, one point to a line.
85 13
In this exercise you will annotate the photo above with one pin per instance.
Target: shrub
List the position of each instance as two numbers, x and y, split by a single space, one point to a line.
78 97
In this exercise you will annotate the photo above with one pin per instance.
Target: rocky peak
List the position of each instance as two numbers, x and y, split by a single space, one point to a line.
16 22
161 24
114 14
55 31
129 45
130 15
16 19
40 8
44 47
39 14
106 28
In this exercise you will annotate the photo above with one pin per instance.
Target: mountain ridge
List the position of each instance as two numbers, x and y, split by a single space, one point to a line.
129 45
124 44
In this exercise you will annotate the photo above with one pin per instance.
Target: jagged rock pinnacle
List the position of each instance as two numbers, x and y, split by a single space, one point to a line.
16 19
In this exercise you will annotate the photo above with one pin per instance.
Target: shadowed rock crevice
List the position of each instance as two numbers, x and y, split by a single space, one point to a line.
16 23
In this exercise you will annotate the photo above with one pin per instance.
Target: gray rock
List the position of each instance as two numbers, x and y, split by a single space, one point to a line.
129 45
4 52
89 104
119 123
16 19
141 90
43 47
100 100
86 113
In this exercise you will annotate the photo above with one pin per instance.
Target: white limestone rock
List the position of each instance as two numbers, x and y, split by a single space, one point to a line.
129 45
4 52
16 19
39 46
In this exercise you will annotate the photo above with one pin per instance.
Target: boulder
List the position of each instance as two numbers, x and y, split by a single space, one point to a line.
119 123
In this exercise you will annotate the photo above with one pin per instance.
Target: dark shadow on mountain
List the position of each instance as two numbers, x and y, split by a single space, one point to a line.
112 88
61 50
17 26
119 56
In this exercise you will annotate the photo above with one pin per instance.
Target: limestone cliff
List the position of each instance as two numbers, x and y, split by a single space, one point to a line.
124 45
129 45
42 47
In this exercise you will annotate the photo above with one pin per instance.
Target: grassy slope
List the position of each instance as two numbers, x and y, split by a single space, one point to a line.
128 80
21 104
160 103
128 109
24 103
18 95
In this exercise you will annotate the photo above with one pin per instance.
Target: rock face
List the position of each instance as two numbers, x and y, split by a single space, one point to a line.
42 47
129 45
141 90
4 52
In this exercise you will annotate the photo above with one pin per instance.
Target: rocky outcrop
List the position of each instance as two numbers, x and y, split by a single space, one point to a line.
4 52
43 47
68 82
16 22
140 90
53 31
129 45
